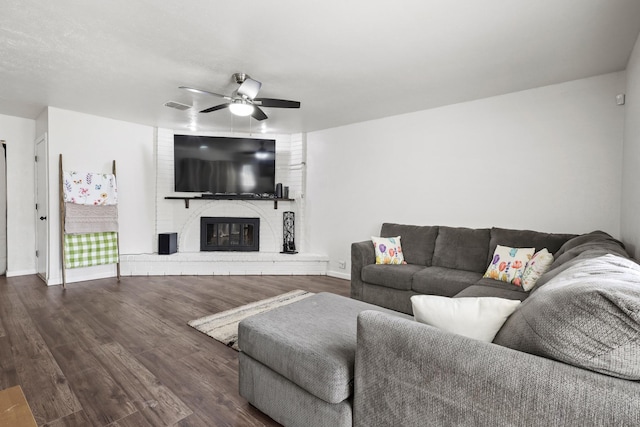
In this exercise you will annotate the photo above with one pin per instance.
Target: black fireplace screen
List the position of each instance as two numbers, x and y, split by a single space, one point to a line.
229 234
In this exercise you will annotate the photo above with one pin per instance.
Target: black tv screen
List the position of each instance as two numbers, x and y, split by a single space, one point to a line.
221 165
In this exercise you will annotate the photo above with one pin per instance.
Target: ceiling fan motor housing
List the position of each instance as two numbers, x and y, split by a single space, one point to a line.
249 88
240 77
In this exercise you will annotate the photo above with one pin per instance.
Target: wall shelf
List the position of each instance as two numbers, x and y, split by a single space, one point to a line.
229 197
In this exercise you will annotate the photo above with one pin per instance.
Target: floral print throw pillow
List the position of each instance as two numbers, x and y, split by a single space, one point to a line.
536 267
388 250
508 264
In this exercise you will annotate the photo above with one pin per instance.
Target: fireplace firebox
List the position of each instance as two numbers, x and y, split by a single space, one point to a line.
229 234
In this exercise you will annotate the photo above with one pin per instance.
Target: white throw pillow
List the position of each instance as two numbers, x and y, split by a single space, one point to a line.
536 267
479 318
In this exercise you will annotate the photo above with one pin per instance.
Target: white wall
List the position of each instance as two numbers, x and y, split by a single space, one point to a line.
19 134
631 160
90 144
545 159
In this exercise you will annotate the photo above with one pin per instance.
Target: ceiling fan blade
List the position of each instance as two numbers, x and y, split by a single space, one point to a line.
277 103
215 108
204 92
249 88
258 114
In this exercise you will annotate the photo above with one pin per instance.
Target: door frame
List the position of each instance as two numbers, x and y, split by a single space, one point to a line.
45 165
3 193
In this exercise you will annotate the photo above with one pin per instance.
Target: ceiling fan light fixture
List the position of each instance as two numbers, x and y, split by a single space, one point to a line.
241 108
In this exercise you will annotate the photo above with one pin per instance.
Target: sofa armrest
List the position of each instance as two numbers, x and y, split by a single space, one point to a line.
411 374
362 253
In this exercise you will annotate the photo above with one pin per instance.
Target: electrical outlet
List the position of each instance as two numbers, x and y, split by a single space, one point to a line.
342 264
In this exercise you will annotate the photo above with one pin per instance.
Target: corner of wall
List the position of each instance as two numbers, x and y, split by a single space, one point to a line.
630 200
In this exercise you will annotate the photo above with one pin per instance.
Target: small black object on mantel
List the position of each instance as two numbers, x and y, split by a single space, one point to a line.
288 233
279 190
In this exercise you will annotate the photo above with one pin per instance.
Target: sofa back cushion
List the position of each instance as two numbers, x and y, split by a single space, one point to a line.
417 241
587 316
526 239
598 240
462 248
578 249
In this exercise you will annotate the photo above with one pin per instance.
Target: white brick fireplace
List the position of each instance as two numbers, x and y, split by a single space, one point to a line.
173 216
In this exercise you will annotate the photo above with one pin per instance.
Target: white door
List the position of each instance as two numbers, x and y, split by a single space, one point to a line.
42 209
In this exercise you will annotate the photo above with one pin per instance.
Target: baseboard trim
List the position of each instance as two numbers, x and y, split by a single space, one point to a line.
338 275
20 273
72 278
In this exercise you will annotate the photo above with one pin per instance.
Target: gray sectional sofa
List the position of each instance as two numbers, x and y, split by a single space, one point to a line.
445 261
569 354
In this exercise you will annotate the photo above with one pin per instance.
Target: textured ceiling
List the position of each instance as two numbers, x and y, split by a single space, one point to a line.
346 61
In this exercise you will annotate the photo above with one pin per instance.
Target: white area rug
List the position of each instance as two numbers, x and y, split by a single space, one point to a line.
224 326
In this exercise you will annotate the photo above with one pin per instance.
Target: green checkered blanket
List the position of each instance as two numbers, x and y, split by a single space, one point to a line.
85 250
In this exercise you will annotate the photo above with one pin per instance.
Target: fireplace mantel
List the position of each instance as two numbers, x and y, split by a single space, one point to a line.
229 197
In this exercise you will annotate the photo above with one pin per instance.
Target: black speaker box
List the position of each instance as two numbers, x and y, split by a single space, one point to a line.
167 243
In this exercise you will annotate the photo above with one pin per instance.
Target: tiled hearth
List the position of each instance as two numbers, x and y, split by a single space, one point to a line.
223 263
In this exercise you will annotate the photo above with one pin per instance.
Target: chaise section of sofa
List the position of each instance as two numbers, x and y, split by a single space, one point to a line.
411 374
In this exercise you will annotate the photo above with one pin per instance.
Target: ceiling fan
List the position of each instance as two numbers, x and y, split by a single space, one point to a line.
243 101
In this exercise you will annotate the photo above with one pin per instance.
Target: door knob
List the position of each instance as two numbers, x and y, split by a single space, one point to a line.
42 218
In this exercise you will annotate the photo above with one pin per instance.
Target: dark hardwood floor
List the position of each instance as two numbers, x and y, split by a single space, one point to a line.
102 353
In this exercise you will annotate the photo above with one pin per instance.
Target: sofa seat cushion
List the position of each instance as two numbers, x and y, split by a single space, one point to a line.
311 342
391 276
443 281
587 316
417 241
390 298
462 249
493 288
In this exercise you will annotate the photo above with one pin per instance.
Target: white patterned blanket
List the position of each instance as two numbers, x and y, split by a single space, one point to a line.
87 188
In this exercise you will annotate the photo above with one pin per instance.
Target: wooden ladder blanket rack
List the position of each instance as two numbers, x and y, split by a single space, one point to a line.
88 238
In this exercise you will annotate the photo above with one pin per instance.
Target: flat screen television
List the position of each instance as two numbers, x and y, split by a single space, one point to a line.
222 165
